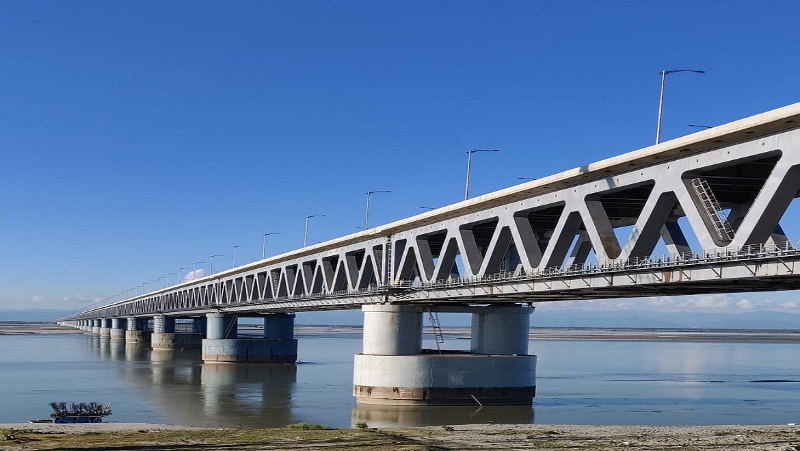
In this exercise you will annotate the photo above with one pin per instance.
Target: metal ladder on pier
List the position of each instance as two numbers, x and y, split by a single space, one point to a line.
712 209
433 319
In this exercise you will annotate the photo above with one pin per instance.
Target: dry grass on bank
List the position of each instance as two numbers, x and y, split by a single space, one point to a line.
207 439
313 437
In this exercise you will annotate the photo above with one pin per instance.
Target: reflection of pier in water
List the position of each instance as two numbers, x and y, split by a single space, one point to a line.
190 392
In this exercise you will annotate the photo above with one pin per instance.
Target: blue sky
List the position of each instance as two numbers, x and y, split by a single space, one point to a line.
141 137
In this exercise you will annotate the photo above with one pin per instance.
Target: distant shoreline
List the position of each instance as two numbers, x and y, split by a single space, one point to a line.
544 333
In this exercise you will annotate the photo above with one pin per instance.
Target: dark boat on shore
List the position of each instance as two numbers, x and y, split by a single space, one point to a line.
83 412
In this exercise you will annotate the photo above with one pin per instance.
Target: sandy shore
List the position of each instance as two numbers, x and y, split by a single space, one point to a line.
97 427
134 436
14 328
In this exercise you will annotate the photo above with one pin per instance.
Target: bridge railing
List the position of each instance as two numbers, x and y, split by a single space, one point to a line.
708 256
400 289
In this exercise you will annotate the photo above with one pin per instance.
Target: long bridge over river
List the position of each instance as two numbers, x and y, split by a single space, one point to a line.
714 200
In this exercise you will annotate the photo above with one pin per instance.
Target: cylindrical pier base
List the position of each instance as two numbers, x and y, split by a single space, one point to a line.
117 331
444 379
176 340
137 332
394 370
224 345
253 350
105 327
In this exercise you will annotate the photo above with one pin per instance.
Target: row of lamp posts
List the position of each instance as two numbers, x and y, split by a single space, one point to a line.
663 74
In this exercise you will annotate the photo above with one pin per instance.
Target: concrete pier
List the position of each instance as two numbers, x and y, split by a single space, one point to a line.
105 327
277 345
164 335
95 326
393 369
117 331
136 330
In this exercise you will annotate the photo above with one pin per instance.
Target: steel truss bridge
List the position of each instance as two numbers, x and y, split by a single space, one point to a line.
587 233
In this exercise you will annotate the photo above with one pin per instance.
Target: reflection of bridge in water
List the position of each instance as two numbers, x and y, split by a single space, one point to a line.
188 391
712 203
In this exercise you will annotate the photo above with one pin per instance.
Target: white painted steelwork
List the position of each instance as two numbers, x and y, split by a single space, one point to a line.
532 242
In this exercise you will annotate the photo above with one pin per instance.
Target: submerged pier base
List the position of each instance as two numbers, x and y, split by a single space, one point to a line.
95 329
393 369
117 331
223 344
136 331
166 337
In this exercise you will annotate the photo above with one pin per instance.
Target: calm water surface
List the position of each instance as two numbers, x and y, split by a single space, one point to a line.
579 382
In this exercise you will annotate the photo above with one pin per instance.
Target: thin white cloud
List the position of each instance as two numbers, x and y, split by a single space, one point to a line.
192 275
708 303
746 304
80 298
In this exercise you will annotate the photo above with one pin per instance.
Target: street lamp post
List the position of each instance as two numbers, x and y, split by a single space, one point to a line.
305 230
233 265
469 164
211 267
661 97
366 214
264 244
194 270
176 277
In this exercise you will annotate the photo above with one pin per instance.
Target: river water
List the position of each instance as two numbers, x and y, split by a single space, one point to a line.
579 382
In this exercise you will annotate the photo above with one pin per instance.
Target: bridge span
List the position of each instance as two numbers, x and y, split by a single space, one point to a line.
587 233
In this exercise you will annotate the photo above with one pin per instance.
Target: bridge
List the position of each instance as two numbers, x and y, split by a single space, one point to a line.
713 202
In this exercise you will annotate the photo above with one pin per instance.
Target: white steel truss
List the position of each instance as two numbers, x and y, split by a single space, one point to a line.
732 184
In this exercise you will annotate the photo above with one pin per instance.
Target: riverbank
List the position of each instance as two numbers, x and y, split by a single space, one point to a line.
134 436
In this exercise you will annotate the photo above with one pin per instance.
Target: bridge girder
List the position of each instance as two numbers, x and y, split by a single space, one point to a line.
616 209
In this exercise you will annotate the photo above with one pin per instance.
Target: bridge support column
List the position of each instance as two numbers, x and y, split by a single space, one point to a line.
105 327
95 326
164 335
277 345
393 369
137 330
117 331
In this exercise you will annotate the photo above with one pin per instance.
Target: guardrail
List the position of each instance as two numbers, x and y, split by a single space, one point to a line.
749 252
399 288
